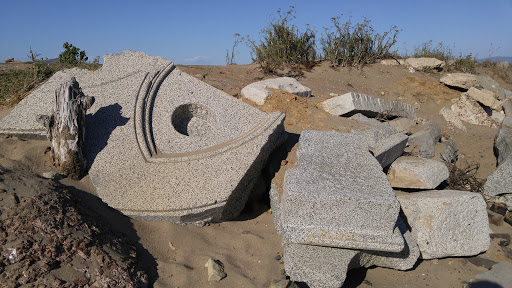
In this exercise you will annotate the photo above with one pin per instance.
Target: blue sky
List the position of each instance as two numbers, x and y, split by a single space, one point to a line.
199 32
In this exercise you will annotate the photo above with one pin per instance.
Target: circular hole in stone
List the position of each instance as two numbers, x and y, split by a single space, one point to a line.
192 119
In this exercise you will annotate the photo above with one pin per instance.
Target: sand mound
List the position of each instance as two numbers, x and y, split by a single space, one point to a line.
49 238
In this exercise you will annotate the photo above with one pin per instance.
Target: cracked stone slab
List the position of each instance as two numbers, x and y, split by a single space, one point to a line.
338 196
500 180
447 223
321 266
259 92
160 144
352 103
417 173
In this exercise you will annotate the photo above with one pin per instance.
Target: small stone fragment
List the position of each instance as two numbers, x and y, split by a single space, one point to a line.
417 173
215 270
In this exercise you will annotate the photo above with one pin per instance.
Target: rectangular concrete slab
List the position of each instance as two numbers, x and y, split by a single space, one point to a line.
447 223
338 195
351 103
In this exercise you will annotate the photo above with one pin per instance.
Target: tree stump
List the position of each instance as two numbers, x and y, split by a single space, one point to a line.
66 129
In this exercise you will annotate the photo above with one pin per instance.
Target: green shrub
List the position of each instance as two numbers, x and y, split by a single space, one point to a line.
465 64
283 43
72 55
16 84
359 44
427 50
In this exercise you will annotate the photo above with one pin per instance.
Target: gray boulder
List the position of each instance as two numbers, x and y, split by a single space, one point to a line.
503 141
384 140
425 140
490 84
352 103
500 180
460 80
485 97
450 153
259 92
417 173
498 276
447 223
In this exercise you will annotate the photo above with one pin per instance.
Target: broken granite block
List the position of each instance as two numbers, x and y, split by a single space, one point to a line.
162 145
467 109
352 103
338 196
402 125
500 180
460 80
417 173
385 142
318 266
321 266
403 260
485 97
425 64
490 84
450 153
503 141
258 92
447 222
426 139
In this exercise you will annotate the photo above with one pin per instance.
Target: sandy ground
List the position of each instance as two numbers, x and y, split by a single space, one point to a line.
249 246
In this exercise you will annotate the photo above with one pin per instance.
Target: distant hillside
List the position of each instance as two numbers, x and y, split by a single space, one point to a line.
497 59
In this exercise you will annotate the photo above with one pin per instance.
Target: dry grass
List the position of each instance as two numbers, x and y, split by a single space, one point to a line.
463 176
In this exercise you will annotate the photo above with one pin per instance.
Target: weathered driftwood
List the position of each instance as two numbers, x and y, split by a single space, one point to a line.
66 128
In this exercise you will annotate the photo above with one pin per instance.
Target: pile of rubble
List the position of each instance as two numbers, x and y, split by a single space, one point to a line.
337 211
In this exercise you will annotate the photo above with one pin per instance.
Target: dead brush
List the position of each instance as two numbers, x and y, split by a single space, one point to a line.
463 176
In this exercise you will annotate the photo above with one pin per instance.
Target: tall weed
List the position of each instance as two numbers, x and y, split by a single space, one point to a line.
283 43
359 44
